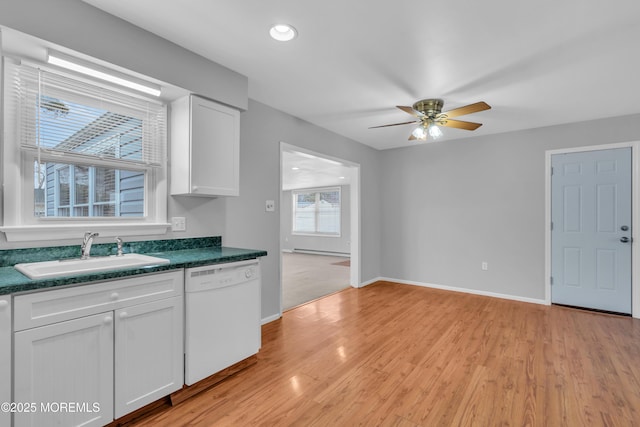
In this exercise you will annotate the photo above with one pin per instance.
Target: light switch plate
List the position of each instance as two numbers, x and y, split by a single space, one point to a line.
270 206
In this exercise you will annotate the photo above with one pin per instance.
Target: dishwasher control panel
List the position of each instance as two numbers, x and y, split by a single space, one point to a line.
221 275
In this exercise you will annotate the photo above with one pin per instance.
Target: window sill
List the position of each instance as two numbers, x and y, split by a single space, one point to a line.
76 231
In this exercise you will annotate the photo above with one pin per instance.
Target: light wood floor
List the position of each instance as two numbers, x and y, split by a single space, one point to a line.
306 277
400 355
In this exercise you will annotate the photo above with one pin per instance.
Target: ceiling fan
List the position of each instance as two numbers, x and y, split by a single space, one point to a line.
430 116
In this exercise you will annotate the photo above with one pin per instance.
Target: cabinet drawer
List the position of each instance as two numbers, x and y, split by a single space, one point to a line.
57 305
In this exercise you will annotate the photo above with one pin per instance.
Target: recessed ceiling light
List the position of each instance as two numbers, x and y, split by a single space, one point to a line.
283 32
341 177
295 168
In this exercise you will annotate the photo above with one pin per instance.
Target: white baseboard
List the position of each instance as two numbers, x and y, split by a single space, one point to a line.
270 319
464 290
320 252
368 282
434 286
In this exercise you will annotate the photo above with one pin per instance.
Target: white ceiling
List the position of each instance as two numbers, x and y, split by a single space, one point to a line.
537 63
302 170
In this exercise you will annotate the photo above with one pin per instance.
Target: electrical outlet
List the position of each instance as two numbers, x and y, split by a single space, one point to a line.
178 223
270 206
485 265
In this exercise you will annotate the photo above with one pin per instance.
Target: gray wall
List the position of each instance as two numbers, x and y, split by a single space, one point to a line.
449 206
248 225
116 41
241 221
290 241
430 213
76 25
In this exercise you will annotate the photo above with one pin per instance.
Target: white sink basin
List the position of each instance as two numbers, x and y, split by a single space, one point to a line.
48 269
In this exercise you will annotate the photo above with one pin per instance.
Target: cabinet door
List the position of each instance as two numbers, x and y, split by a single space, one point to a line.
215 143
66 363
5 357
148 353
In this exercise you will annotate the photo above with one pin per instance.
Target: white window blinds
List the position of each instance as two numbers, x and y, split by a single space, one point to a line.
317 211
74 121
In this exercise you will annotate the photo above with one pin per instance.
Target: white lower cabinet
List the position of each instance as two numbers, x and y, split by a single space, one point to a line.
149 353
5 357
92 369
63 363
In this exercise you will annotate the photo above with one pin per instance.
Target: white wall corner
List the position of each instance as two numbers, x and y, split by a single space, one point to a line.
374 280
271 318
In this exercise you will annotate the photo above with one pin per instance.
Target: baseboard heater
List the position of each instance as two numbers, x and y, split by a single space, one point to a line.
318 252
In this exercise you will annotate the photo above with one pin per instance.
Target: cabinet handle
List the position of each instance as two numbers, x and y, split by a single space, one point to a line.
114 296
123 314
4 304
108 320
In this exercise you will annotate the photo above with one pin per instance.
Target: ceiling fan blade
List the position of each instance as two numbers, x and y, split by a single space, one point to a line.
409 110
467 109
393 124
412 138
458 124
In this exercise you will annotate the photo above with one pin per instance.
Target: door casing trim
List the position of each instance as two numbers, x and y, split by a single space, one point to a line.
635 216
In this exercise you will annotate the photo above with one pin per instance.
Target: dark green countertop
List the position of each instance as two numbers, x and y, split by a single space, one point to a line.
12 281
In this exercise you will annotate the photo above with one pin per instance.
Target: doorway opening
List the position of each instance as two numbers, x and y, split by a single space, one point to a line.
569 266
319 225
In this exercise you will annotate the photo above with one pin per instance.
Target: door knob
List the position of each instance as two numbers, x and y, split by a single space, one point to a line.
624 239
624 228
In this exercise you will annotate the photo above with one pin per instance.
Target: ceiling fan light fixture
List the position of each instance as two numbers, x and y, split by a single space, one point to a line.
434 131
420 133
283 32
431 117
426 129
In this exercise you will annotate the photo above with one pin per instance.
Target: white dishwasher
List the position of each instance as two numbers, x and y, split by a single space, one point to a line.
222 317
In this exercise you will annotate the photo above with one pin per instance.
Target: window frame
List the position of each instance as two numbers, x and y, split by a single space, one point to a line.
91 197
317 192
21 224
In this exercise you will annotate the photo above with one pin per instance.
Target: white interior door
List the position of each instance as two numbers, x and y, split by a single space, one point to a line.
591 229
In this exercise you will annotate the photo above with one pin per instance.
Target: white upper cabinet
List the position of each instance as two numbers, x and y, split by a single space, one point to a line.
205 148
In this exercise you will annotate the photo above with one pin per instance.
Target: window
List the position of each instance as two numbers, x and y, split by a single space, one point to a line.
84 152
81 191
317 212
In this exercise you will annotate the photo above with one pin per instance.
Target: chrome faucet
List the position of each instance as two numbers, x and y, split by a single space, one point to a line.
85 249
119 244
